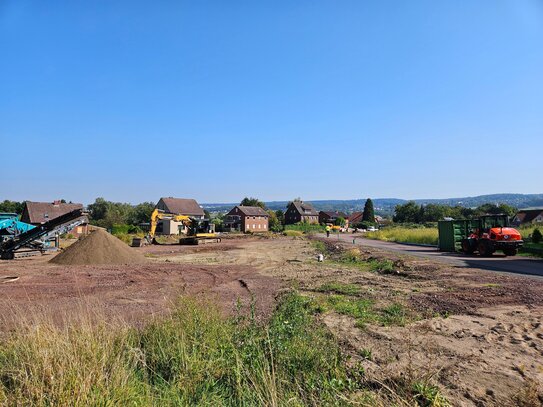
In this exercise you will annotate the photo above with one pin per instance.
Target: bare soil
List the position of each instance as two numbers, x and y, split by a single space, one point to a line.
479 335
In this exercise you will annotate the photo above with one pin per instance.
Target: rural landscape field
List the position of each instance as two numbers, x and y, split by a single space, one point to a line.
286 204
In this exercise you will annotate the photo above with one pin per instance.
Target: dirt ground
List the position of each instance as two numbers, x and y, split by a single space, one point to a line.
479 335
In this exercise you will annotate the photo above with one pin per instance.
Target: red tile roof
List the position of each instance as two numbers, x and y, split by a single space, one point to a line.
40 212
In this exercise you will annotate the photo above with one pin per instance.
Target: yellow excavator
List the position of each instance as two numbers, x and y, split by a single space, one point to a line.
199 230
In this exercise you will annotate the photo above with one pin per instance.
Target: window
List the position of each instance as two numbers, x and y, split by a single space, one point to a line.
264 226
259 226
254 226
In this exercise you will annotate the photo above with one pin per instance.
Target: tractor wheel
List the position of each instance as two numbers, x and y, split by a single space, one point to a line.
510 252
484 247
467 247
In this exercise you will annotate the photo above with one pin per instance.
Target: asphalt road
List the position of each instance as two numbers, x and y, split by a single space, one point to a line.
498 262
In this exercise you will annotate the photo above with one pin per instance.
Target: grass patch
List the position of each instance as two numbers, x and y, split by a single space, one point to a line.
405 235
306 227
365 311
383 265
319 246
339 288
293 233
191 357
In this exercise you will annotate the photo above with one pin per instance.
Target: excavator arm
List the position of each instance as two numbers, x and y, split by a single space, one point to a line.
158 215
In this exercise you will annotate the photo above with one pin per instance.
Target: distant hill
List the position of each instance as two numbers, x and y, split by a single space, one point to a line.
385 206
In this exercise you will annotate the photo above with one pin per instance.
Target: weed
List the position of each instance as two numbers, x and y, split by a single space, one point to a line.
365 353
319 246
427 395
383 266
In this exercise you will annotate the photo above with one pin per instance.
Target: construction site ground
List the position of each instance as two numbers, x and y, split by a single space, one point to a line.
477 334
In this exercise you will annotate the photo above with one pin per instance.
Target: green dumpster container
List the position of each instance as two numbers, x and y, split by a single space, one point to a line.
451 233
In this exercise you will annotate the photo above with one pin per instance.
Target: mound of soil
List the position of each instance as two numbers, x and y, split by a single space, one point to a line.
99 248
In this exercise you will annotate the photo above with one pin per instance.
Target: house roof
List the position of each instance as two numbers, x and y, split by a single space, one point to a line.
40 212
252 210
182 206
305 208
334 214
528 215
356 217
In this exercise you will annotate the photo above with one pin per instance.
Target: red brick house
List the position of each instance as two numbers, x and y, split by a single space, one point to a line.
37 213
332 216
299 211
247 219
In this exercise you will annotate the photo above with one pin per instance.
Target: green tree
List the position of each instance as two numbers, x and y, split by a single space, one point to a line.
12 206
252 202
369 214
492 209
407 213
340 221
141 213
537 237
274 223
106 213
434 212
280 216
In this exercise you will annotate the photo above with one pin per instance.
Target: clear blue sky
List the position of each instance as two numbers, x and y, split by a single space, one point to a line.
217 100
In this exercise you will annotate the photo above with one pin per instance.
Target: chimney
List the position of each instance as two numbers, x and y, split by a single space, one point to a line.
56 203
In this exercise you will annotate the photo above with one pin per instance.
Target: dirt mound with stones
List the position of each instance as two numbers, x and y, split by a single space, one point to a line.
99 248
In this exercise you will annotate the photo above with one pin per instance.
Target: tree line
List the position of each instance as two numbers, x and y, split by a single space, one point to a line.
411 212
106 213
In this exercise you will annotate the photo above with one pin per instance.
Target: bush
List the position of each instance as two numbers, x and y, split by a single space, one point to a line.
537 237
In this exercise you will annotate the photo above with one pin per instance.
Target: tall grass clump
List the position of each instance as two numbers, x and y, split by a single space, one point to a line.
405 235
193 356
42 364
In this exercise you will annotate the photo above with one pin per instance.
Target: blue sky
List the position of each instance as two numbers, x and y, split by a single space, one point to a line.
217 100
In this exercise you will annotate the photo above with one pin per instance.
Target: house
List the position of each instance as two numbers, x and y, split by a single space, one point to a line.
332 216
247 219
355 218
177 206
37 213
299 211
528 216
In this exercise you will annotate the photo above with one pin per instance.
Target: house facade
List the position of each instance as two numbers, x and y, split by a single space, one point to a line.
299 211
177 206
528 216
332 216
37 213
247 219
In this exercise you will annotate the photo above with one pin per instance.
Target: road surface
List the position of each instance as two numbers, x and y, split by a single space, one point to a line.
498 262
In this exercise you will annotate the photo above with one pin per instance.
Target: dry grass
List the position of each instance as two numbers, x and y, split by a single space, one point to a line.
406 235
